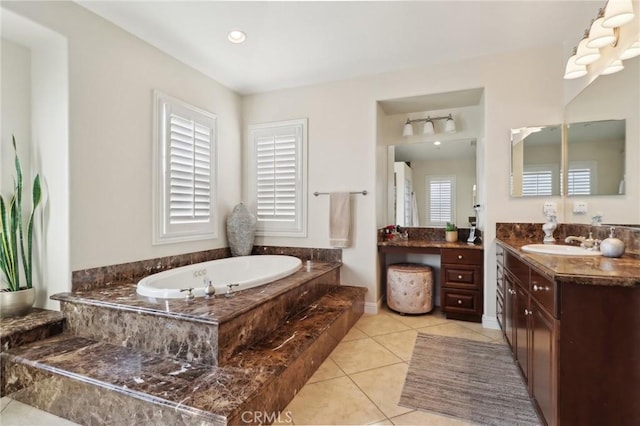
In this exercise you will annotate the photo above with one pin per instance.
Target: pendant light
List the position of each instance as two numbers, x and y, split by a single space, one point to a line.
613 67
600 36
631 51
450 125
408 129
428 128
586 55
617 13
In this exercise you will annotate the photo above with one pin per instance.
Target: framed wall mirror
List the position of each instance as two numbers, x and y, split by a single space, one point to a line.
536 161
434 182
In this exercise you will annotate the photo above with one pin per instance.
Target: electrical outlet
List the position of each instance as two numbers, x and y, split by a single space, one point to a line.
549 207
580 207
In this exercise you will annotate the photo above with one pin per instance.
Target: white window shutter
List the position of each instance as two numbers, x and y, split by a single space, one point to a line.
537 182
278 187
441 199
184 177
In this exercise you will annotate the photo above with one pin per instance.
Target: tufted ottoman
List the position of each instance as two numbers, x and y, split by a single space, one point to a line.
410 288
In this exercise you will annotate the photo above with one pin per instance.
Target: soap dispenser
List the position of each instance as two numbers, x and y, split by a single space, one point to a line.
612 246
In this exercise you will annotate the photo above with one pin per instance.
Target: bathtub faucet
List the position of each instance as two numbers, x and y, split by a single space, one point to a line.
189 292
230 289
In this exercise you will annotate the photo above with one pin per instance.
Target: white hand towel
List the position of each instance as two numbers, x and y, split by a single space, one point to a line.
339 219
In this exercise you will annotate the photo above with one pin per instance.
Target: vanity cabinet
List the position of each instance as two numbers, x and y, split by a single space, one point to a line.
500 287
461 284
532 332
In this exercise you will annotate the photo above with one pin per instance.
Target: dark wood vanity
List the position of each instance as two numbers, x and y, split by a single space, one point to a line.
573 326
461 274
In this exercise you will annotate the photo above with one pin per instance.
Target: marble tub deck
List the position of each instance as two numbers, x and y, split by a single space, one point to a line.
60 374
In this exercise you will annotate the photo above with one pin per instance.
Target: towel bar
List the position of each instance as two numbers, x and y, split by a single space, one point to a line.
352 192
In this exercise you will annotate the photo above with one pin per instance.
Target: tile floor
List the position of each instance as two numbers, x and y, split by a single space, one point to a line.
360 383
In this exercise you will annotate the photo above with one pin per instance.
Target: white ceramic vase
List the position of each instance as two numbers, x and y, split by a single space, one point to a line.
16 303
241 230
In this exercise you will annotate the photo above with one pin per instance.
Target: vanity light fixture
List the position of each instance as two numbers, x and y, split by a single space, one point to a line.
429 129
604 32
236 36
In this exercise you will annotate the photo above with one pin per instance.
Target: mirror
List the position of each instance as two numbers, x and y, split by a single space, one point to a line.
536 154
595 156
434 182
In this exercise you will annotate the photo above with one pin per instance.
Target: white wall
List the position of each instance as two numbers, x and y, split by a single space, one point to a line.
16 112
111 78
346 153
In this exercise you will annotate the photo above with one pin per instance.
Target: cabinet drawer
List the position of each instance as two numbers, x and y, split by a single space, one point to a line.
463 256
517 268
544 291
464 276
461 301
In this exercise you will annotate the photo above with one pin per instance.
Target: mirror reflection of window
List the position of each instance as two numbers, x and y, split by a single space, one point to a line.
441 199
536 153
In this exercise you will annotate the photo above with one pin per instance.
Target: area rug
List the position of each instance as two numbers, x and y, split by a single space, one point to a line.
472 381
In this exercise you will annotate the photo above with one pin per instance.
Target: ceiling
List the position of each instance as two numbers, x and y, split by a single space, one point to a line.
292 44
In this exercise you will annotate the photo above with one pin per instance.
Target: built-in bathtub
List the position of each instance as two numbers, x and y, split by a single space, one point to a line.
245 271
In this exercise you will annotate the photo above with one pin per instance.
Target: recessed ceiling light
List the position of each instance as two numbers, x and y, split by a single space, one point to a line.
236 36
436 143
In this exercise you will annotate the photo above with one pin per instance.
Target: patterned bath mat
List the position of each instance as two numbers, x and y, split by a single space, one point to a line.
472 381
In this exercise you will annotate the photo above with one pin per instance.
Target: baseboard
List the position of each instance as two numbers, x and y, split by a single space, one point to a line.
490 322
372 307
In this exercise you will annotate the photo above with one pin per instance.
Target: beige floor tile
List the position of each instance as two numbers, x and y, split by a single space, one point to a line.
19 414
375 325
400 343
362 354
385 422
478 328
453 329
328 370
335 401
354 334
422 418
418 321
384 386
4 401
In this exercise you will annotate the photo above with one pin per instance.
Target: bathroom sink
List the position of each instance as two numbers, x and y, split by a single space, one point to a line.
559 250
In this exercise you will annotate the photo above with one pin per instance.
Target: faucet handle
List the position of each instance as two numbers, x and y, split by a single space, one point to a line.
189 292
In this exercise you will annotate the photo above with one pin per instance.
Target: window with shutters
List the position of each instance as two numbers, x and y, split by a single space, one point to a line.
581 178
277 183
440 199
184 175
539 179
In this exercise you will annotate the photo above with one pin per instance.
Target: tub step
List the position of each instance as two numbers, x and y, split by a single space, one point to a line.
66 375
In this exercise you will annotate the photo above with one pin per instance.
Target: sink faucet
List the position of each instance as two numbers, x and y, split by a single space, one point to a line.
586 242
230 289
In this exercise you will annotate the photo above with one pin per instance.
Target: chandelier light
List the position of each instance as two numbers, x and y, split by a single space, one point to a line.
603 33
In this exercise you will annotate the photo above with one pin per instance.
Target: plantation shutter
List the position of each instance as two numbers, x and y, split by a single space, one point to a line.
278 183
579 181
440 199
190 171
277 175
184 172
537 182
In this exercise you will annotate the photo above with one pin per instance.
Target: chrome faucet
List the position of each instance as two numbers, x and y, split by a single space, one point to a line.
586 242
230 289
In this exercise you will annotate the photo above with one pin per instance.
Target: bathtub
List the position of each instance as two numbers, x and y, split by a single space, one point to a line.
246 271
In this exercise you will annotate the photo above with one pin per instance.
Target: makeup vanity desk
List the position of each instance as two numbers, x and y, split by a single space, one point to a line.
461 273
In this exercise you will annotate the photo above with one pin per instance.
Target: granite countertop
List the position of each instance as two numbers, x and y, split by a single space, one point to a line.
429 244
595 270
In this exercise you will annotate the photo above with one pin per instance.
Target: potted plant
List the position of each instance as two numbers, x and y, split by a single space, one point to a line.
16 247
451 232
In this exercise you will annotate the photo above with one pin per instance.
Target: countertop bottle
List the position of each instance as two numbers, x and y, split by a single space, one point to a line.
612 246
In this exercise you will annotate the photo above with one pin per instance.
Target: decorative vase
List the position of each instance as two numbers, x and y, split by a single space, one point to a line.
241 230
451 236
16 303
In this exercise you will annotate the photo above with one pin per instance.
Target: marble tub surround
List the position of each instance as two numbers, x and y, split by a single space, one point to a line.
200 330
595 270
63 374
532 232
87 279
431 234
38 324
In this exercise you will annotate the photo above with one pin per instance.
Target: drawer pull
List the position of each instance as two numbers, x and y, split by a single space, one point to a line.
459 256
459 277
459 302
540 288
527 312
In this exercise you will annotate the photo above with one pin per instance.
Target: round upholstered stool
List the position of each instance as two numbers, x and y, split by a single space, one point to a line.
410 288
